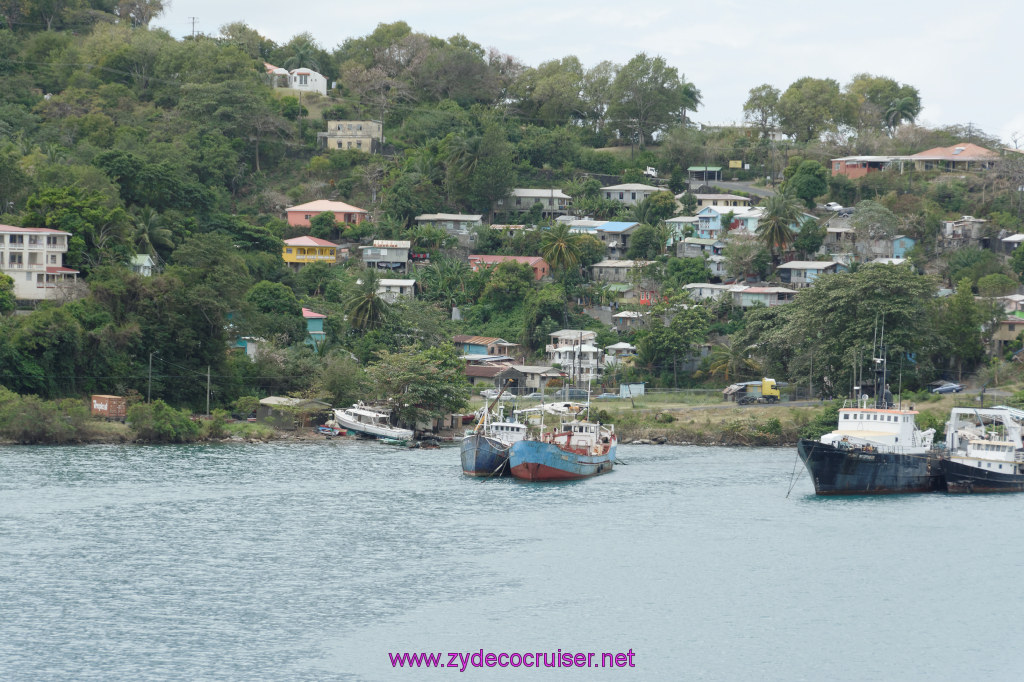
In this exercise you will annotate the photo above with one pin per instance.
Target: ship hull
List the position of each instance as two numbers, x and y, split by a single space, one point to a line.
962 478
484 456
859 471
532 460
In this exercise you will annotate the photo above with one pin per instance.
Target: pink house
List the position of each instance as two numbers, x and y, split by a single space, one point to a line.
539 266
299 216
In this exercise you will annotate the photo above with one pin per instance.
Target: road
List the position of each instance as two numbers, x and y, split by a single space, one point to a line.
744 186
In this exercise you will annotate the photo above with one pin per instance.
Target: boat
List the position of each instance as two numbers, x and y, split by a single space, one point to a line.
363 420
876 449
985 454
577 449
484 449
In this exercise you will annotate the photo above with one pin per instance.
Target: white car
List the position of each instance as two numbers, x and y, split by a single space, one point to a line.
833 206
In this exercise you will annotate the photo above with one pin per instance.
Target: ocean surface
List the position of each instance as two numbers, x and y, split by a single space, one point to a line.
315 561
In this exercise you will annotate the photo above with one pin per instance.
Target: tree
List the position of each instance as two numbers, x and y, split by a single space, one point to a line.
731 362
151 235
996 284
872 220
810 238
509 284
774 228
762 108
745 256
6 294
139 12
808 182
645 243
871 98
323 225
363 305
647 95
445 281
663 345
560 247
961 325
899 110
809 107
424 384
655 208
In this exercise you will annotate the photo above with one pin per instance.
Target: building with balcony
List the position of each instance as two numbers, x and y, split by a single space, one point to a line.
575 352
34 258
387 254
553 202
393 289
302 251
366 136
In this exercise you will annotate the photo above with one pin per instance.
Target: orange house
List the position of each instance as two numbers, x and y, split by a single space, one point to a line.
299 216
539 266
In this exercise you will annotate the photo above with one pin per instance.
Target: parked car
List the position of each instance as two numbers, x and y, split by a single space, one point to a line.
492 393
604 396
571 394
532 396
845 212
948 388
833 206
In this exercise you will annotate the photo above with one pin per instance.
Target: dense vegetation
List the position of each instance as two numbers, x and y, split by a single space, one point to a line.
137 143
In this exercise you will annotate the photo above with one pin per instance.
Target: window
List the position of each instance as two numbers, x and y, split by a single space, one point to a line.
303 79
359 144
622 195
288 250
52 240
632 196
339 144
53 259
308 216
16 239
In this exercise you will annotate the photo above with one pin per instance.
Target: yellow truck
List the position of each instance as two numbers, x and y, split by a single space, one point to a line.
749 392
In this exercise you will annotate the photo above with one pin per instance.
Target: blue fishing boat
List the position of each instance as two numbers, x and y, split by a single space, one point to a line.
485 449
576 449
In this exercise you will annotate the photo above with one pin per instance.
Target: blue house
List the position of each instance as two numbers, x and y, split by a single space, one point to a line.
901 244
315 334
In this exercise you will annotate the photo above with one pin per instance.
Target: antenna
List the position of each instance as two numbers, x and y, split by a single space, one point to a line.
193 20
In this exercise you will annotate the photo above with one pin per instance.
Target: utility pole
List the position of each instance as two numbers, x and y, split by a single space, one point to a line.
193 20
149 390
207 390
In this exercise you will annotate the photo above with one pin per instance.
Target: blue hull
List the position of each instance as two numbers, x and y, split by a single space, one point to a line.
532 460
483 456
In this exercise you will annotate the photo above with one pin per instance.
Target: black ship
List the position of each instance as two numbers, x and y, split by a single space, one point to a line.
985 451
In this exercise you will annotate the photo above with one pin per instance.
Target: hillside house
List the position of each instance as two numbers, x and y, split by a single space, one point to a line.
302 251
630 193
315 333
575 352
34 258
387 254
855 167
299 216
694 247
802 273
484 345
724 200
746 297
619 271
393 289
527 378
301 79
365 136
451 222
554 202
539 266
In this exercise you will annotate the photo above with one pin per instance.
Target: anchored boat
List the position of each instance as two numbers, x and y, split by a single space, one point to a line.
985 452
485 448
576 449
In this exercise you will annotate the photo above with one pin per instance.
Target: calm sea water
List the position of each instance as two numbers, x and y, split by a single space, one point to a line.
277 562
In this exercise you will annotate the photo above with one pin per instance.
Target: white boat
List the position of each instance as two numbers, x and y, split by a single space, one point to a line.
985 450
367 421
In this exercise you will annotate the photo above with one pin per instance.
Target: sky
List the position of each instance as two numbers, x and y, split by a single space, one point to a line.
962 57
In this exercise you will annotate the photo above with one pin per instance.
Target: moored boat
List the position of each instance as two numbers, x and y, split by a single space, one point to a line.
576 449
363 420
876 449
484 449
985 453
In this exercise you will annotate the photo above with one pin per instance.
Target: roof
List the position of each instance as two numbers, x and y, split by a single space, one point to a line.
476 340
543 193
683 219
54 269
706 285
807 265
142 259
630 187
391 244
867 159
449 216
310 315
621 263
634 314
730 197
611 226
322 205
484 371
284 401
619 287
703 242
767 290
31 230
573 333
704 168
528 260
1014 238
621 345
309 241
964 151
396 282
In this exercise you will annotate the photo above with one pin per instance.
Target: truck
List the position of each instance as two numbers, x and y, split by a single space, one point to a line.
110 407
749 392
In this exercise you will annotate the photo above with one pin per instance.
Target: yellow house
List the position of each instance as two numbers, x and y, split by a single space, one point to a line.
305 250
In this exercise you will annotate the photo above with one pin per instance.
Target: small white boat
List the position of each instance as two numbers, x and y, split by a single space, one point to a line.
367 421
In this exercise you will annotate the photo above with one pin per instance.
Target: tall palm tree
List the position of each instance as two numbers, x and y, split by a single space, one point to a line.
560 247
731 362
445 281
303 54
150 235
364 306
899 110
781 211
690 96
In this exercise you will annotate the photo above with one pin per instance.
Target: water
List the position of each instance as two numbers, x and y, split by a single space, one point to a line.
312 562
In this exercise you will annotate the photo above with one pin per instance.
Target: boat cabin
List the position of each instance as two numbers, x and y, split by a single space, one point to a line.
891 428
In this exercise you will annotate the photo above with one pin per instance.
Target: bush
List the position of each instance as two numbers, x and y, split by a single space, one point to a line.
215 427
824 422
160 423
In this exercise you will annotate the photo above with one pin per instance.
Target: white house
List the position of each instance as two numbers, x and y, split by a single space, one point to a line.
393 289
34 258
451 222
143 264
575 351
630 193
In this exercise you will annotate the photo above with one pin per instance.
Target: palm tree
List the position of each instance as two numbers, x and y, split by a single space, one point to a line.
303 54
150 236
364 306
560 247
690 96
731 362
445 281
774 229
901 109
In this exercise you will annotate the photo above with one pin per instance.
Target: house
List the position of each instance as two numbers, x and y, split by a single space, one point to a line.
616 270
694 247
574 351
704 173
802 273
484 345
1012 242
703 291
1007 332
962 156
299 216
839 239
964 229
387 254
539 266
747 219
302 251
143 264
679 226
709 222
367 136
716 264
617 352
301 79
627 319
855 167
726 200
628 294
393 289
483 374
315 334
746 297
34 258
554 202
631 193
615 236
527 378
451 222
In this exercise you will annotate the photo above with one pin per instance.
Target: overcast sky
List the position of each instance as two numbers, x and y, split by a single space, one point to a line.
963 57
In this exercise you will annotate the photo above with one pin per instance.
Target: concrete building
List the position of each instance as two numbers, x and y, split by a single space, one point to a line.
34 258
299 216
366 136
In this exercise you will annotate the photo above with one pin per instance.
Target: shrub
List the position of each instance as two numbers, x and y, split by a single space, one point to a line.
158 422
824 422
29 419
216 426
